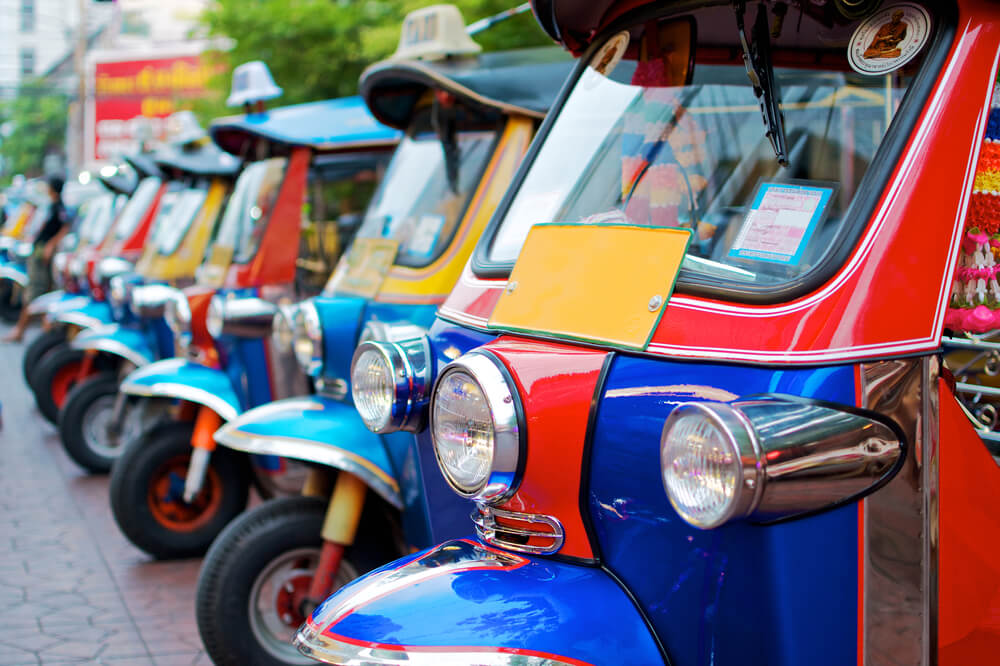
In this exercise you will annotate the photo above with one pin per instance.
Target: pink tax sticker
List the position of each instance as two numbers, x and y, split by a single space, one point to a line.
782 219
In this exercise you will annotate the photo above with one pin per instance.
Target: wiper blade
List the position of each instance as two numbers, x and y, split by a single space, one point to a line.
760 70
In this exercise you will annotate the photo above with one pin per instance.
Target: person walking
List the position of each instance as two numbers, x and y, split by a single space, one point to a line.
40 262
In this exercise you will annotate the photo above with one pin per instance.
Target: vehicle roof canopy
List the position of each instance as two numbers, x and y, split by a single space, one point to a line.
200 158
329 126
522 82
120 182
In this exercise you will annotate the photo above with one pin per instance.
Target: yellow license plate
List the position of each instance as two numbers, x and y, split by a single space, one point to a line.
606 283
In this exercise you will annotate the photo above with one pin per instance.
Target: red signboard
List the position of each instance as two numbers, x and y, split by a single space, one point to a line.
128 94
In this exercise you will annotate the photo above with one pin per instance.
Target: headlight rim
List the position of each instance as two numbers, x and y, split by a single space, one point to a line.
215 316
177 313
312 327
509 441
411 388
742 441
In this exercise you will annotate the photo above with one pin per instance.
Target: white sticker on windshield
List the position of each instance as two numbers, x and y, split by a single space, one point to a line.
425 236
782 219
889 38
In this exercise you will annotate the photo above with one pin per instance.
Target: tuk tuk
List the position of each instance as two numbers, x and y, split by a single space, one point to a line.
715 427
310 166
60 367
468 121
93 419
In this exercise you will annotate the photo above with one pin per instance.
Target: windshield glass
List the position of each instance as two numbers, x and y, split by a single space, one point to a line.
415 204
136 208
651 135
97 216
175 217
249 207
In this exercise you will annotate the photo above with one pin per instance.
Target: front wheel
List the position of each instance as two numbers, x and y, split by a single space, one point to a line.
56 373
251 593
10 301
147 493
37 348
86 421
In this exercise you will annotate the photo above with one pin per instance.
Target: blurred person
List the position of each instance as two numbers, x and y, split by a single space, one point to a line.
40 263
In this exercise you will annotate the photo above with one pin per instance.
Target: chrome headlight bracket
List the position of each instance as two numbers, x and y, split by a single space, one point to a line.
307 338
240 317
150 301
509 434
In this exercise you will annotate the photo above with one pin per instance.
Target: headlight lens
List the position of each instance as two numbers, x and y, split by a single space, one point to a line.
307 341
390 382
110 267
373 388
78 267
282 332
474 426
701 469
215 318
178 314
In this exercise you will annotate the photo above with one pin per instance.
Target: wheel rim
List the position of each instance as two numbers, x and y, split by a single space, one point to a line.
63 381
97 421
166 496
276 600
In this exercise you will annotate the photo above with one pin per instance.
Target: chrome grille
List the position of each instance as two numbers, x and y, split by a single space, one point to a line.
521 532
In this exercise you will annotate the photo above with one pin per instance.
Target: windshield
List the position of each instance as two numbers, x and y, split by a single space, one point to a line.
136 208
415 204
178 208
650 138
249 207
97 217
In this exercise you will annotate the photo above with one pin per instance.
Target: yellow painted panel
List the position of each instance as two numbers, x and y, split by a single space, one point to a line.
598 283
183 262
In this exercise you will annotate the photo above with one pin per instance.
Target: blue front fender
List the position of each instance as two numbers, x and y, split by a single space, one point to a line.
182 380
41 304
85 314
463 602
128 343
316 429
15 272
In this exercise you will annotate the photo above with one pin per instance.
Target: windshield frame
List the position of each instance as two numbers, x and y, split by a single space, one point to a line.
857 216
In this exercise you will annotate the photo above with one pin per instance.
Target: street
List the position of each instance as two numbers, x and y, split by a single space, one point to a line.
72 589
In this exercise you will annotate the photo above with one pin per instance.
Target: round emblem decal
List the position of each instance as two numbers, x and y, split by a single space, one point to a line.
889 38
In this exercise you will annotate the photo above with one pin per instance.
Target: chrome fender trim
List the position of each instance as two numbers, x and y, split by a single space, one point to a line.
105 338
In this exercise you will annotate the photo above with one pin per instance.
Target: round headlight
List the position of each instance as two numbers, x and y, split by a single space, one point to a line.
214 319
110 267
282 333
373 387
702 462
78 267
118 292
178 314
390 382
474 426
307 338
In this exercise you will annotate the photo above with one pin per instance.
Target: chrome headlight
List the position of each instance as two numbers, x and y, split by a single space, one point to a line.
282 328
118 292
110 267
241 317
59 262
7 243
475 416
770 459
390 382
24 249
307 339
150 301
177 312
78 267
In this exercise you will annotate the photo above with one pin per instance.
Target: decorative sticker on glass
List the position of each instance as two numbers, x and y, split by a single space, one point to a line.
425 236
889 38
782 219
363 268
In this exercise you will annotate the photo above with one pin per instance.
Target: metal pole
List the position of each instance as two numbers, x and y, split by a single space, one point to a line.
79 55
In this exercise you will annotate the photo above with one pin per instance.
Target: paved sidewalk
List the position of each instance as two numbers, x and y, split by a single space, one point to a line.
72 589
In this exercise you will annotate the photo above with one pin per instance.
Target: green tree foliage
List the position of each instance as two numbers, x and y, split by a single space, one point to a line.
317 49
36 119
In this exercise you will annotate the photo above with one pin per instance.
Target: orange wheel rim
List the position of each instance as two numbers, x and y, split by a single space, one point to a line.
166 502
63 381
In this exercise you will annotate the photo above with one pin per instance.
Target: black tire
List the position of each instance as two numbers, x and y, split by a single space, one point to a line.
280 529
10 301
49 381
80 426
36 349
140 496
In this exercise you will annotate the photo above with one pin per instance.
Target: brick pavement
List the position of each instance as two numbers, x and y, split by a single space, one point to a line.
72 589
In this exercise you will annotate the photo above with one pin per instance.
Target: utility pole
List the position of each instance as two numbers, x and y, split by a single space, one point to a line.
80 112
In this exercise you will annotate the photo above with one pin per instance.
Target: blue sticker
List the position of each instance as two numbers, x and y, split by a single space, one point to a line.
425 237
781 220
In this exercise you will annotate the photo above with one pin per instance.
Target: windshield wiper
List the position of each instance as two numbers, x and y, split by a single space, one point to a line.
760 70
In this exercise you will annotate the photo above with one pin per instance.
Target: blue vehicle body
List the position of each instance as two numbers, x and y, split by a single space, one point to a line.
177 378
52 299
82 311
15 271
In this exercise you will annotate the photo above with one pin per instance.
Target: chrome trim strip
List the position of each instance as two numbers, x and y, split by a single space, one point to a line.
484 517
14 275
182 392
76 318
110 346
322 453
899 546
41 304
